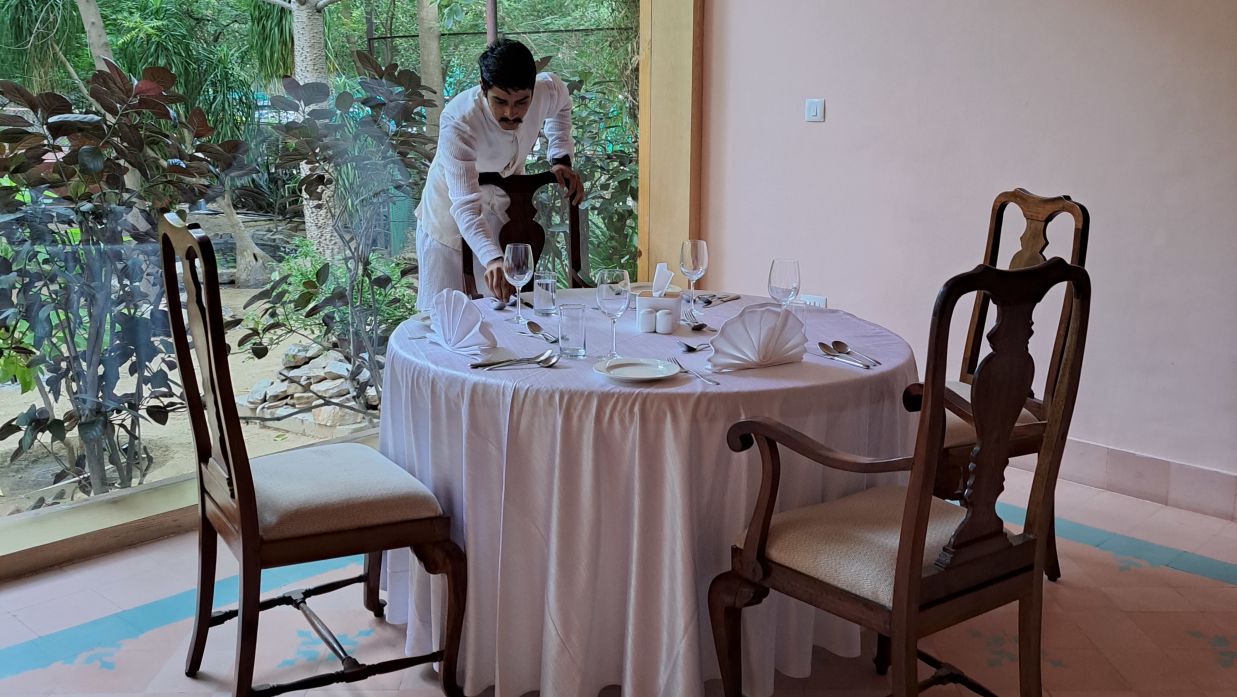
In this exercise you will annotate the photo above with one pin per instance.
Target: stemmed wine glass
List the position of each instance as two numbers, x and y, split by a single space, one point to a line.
784 281
613 297
693 262
518 268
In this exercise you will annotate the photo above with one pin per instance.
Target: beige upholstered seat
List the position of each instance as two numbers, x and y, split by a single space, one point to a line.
852 542
335 487
959 432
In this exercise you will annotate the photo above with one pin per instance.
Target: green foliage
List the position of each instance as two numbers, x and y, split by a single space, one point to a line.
80 285
360 152
213 74
302 269
270 40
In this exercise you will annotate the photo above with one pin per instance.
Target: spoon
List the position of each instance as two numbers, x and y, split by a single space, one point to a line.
511 361
536 330
542 362
698 326
689 348
842 347
832 353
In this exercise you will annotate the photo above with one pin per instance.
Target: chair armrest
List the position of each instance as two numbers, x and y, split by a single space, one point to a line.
767 434
743 434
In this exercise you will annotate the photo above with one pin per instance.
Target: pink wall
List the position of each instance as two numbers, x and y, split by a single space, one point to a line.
1130 106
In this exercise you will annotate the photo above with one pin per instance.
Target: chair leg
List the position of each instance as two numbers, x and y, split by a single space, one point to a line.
904 660
247 627
729 593
208 545
1030 619
445 557
1052 564
881 661
373 569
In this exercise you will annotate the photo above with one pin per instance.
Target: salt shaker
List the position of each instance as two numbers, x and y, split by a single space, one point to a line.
665 322
648 321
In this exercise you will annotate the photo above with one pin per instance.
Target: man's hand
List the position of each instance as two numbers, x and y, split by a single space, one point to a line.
495 281
569 180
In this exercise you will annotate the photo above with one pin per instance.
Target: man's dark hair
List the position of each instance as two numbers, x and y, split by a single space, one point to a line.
508 65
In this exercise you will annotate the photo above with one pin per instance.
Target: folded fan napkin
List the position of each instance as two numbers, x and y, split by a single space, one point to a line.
455 323
759 336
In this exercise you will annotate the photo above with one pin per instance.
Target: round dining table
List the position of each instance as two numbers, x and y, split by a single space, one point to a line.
595 513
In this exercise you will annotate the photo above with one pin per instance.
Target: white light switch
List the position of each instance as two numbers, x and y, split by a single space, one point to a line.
814 110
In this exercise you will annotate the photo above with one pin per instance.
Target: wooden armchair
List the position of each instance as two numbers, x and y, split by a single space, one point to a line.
308 504
522 226
900 560
959 428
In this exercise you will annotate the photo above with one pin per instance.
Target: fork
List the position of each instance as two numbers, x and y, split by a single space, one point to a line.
685 369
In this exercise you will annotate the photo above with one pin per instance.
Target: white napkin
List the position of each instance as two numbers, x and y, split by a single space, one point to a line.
661 280
455 323
759 336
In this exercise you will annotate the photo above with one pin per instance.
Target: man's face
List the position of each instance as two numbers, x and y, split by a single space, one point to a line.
508 107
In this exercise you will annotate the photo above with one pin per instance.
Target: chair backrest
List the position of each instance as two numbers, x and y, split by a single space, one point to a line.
219 445
1038 212
979 550
522 225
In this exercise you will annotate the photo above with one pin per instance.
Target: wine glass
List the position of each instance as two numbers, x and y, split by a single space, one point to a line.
613 297
518 268
693 262
784 281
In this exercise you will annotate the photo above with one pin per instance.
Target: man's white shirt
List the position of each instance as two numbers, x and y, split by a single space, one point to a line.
454 208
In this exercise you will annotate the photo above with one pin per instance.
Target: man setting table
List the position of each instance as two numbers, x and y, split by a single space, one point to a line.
491 127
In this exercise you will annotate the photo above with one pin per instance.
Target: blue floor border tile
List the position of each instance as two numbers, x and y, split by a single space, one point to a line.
108 632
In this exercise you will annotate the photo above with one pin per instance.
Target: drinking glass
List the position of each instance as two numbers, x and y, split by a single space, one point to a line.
572 325
784 281
545 286
518 268
613 297
693 262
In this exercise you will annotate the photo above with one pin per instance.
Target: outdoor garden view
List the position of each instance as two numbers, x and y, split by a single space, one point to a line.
297 134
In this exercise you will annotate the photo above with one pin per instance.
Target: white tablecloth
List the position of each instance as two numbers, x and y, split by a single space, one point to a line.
595 514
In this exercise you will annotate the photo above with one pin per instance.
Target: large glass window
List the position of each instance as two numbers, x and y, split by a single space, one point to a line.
306 188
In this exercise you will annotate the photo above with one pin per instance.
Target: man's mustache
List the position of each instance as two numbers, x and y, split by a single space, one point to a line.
517 121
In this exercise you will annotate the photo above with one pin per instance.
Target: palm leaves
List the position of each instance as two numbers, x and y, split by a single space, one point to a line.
270 41
31 34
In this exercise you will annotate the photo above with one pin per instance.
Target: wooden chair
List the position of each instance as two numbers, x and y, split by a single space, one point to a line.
899 560
522 225
1038 212
304 505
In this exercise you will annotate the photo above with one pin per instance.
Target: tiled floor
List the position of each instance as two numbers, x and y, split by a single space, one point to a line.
1147 608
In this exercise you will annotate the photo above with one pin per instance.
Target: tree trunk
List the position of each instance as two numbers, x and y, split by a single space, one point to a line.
309 65
252 264
431 61
96 34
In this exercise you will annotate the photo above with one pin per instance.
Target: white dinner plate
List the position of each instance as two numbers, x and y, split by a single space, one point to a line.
636 369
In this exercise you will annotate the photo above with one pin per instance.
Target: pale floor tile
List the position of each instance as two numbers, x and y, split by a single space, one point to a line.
12 631
65 610
1143 599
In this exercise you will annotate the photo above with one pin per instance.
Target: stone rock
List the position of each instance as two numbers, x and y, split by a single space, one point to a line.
270 410
278 390
337 369
336 416
371 396
257 394
332 388
303 399
299 354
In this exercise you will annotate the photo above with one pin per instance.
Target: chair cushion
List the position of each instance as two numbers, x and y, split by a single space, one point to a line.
336 487
852 542
959 432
